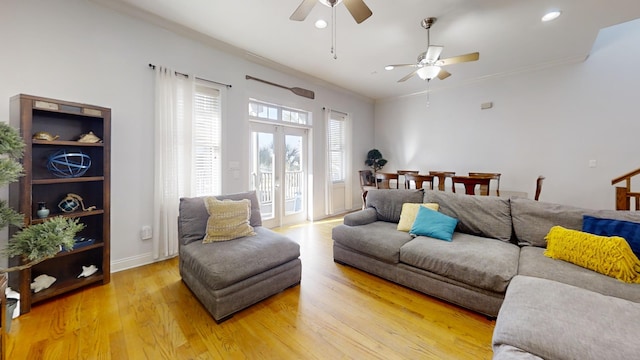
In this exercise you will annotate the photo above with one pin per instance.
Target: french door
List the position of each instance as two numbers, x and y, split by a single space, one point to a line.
279 172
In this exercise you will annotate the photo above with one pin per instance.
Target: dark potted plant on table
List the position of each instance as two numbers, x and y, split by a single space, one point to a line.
34 243
375 160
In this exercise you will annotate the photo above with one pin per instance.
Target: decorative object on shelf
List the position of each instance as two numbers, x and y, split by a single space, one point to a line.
42 282
88 271
81 241
73 202
68 164
43 135
42 212
90 138
375 160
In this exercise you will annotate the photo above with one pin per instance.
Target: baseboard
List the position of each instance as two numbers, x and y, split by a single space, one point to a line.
132 262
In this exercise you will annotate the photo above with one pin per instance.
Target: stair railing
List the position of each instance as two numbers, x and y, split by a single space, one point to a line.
624 194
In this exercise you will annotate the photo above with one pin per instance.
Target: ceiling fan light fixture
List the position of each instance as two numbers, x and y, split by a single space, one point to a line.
428 72
551 15
330 3
389 67
320 24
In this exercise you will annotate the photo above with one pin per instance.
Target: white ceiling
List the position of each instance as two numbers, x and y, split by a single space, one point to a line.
508 34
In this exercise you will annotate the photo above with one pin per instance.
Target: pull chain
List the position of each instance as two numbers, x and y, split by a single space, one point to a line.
428 92
333 33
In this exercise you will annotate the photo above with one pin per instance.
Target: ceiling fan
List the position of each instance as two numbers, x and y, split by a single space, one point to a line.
429 65
358 9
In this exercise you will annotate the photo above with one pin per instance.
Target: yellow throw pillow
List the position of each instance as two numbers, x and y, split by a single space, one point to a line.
611 256
409 213
227 219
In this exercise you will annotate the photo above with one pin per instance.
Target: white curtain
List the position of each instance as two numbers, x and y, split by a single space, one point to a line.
348 181
172 150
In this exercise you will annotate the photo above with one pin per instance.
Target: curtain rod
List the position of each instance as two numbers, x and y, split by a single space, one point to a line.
339 112
198 78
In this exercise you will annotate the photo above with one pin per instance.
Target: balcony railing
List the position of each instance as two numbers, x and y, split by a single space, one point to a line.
293 186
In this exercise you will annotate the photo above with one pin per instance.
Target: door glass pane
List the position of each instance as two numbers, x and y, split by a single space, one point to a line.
263 174
294 176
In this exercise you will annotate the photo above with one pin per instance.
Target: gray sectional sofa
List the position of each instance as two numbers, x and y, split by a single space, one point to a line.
498 243
228 276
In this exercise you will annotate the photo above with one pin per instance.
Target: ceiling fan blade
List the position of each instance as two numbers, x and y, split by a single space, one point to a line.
358 9
443 74
433 53
408 76
458 59
303 10
400 65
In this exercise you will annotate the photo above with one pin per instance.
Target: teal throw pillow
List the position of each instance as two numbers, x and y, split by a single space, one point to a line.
433 224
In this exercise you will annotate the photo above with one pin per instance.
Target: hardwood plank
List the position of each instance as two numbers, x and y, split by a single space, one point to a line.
336 312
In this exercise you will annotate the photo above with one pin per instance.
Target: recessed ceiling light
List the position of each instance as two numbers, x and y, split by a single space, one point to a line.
551 15
321 24
388 67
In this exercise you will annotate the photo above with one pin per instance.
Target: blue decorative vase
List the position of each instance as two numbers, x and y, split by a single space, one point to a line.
42 212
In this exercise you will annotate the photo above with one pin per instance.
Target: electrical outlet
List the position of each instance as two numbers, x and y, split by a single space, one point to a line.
146 233
593 163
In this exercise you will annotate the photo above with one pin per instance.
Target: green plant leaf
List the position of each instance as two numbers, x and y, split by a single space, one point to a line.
44 240
8 216
10 171
11 143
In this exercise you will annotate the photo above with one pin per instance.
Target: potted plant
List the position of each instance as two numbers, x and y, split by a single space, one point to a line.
375 160
37 242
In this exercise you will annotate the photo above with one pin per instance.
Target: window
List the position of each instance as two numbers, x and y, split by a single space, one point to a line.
207 124
265 111
337 146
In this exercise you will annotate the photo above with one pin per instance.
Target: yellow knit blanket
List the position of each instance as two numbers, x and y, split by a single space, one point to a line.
611 256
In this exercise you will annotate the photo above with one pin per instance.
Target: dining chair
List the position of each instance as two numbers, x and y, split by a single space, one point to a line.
367 182
383 180
418 180
470 184
403 173
538 187
492 176
442 176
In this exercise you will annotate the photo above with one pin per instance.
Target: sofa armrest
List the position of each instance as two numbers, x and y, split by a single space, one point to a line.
362 217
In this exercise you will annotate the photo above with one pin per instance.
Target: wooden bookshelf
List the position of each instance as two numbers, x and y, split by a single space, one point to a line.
67 120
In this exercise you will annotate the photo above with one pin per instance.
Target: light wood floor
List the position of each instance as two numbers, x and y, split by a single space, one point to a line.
336 313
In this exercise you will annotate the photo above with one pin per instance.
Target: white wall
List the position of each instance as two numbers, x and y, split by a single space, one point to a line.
549 122
80 51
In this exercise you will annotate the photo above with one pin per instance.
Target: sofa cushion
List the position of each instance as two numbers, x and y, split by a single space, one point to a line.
610 256
361 217
433 224
533 263
409 213
532 219
486 216
552 320
628 230
483 263
388 203
192 221
228 219
224 263
380 240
